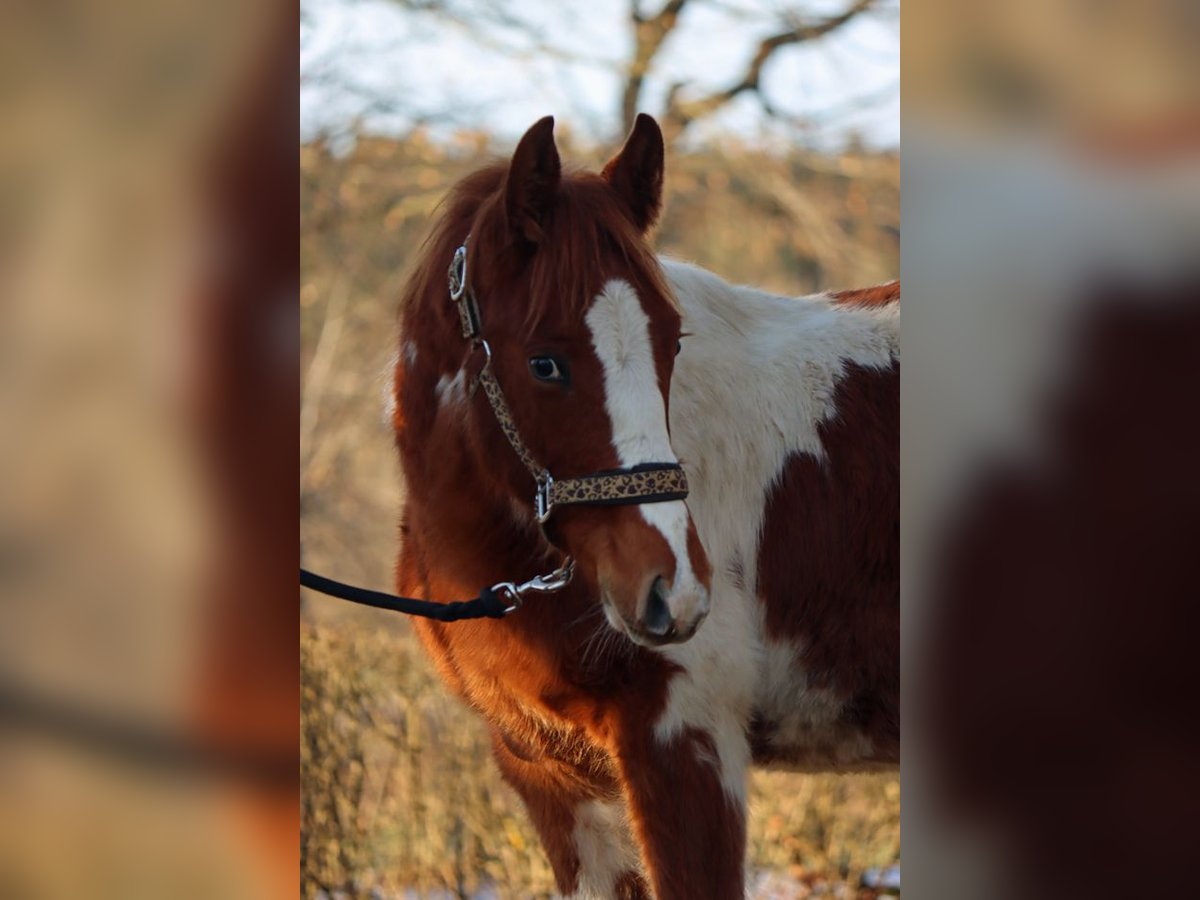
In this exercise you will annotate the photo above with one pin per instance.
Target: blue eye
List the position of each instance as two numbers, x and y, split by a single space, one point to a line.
547 368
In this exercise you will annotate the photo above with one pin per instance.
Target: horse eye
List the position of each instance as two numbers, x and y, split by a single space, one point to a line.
547 368
678 347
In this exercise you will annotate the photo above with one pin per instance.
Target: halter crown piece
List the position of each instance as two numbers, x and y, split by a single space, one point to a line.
655 482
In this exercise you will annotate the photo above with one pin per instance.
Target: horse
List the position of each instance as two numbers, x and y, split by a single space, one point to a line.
755 622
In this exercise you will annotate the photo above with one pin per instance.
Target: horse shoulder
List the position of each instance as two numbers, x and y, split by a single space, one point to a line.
786 412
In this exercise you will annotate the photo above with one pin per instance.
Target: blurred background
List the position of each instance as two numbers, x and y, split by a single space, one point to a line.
1051 274
782 170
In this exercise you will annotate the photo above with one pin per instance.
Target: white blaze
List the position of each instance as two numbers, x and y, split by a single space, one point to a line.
621 338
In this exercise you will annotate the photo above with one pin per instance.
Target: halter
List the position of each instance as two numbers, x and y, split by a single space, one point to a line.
655 482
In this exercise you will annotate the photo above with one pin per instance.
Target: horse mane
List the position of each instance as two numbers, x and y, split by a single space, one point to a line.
870 297
588 227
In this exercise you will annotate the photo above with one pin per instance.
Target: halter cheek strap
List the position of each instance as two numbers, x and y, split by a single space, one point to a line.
655 482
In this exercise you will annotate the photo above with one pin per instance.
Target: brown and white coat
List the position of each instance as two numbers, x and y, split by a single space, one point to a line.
631 758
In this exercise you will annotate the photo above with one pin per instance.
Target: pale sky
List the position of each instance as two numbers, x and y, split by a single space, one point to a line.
375 61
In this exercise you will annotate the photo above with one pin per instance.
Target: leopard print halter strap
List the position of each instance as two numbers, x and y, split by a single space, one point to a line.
646 483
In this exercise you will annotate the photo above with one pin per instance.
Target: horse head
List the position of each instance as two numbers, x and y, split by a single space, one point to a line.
567 312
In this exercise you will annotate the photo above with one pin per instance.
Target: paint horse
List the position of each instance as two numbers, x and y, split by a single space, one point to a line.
626 728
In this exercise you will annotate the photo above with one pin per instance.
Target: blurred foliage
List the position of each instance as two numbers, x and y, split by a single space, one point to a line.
400 790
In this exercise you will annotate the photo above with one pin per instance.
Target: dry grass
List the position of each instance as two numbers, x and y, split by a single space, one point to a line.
399 789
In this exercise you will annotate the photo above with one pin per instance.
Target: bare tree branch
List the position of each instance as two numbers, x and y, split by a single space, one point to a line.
515 32
681 112
835 113
649 32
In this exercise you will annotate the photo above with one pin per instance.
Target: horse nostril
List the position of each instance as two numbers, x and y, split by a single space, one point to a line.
657 619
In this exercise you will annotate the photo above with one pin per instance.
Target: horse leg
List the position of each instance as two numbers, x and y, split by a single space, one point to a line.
686 791
582 825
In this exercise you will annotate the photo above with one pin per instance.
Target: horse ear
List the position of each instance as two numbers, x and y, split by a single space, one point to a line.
533 177
637 171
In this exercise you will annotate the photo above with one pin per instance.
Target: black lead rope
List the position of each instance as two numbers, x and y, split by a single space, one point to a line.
143 744
488 605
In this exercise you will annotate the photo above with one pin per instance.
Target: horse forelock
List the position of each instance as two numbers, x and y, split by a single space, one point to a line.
587 239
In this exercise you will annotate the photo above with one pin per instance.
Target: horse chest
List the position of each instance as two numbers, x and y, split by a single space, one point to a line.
736 671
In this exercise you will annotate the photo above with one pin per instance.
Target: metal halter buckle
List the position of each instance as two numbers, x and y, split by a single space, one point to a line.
458 273
539 584
542 505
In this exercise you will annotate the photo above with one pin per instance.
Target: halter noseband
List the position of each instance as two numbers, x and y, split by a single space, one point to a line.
655 482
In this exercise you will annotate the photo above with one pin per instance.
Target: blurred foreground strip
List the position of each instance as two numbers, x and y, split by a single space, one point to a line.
147 394
107 736
1051 495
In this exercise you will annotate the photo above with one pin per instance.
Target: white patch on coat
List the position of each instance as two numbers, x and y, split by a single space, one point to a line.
805 722
755 378
387 382
604 843
715 692
621 338
451 390
753 382
785 698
